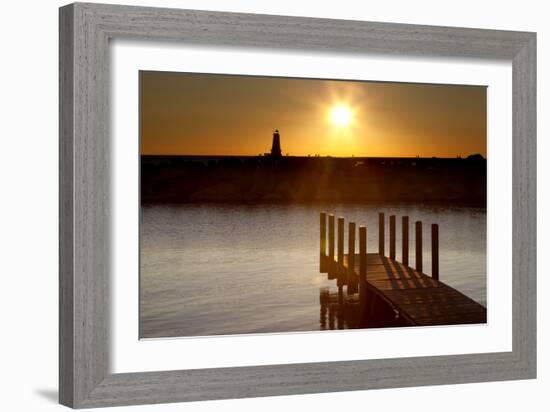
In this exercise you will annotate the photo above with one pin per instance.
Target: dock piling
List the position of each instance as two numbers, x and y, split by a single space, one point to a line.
435 251
418 247
330 244
340 271
323 226
381 232
362 270
392 237
352 281
405 240
323 260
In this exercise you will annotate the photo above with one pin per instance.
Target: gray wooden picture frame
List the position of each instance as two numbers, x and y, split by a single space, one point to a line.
85 31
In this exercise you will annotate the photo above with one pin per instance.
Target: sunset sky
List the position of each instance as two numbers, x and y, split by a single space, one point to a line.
201 114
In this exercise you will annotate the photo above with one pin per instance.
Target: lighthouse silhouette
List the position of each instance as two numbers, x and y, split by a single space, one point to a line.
276 145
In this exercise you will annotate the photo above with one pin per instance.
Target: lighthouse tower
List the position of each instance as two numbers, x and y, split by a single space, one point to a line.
276 145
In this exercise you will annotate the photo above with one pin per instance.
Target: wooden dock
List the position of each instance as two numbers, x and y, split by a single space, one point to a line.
379 290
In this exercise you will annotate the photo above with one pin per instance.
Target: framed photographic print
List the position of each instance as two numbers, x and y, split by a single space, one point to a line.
258 205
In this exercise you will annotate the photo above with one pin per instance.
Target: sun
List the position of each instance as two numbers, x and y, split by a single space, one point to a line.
341 115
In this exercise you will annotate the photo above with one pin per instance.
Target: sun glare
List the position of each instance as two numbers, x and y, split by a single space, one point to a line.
341 115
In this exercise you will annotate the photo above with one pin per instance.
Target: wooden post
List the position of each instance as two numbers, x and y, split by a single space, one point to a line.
323 267
340 270
362 274
405 240
392 237
331 237
419 246
323 226
435 251
381 240
330 260
352 281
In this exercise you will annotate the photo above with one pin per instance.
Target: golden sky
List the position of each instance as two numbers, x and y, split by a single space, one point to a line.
204 114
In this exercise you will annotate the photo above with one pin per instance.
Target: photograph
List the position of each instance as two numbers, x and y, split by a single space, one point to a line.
284 205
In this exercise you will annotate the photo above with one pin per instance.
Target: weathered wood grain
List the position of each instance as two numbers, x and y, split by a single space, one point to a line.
85 31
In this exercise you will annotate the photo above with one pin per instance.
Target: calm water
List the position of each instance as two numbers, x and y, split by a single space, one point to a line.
210 270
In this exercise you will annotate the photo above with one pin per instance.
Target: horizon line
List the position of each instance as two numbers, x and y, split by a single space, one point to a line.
315 156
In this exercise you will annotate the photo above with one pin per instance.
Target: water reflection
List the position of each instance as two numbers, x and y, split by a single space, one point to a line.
341 313
223 269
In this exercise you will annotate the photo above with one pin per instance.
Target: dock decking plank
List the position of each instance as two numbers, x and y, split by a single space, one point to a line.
418 298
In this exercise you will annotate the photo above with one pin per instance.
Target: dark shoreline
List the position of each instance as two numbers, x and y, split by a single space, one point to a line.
313 180
424 205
